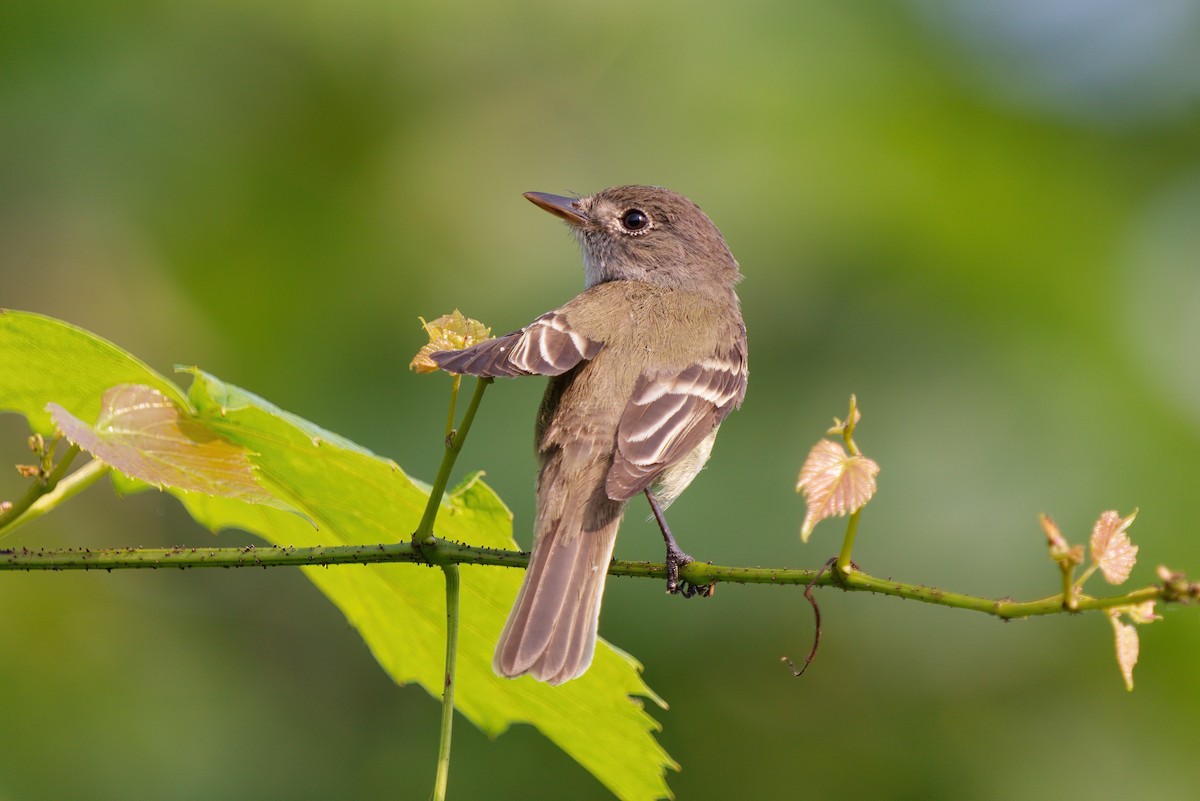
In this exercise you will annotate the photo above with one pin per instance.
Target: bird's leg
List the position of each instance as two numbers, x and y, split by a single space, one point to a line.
676 558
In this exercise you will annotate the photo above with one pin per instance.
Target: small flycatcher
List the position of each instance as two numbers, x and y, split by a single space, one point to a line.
644 366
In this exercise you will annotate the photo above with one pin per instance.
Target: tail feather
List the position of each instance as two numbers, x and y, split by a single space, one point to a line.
551 630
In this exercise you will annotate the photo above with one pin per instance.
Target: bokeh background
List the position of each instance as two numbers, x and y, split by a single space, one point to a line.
984 219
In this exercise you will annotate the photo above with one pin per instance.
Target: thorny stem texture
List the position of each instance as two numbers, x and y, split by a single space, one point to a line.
444 552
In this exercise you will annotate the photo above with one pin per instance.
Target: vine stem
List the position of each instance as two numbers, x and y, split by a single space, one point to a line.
428 546
447 552
454 442
453 404
443 762
843 566
49 490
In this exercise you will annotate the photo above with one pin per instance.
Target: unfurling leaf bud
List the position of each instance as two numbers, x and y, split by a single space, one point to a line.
1176 586
1053 535
1060 550
1169 576
845 428
448 332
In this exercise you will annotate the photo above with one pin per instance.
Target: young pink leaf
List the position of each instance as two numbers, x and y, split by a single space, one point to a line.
142 433
1127 646
839 427
834 483
1126 634
1112 551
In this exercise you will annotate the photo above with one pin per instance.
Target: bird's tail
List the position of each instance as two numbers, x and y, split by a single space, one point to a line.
551 630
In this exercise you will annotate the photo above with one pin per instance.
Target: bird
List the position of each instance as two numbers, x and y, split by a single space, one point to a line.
644 365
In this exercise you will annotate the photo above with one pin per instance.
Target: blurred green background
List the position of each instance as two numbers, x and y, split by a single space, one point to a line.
984 219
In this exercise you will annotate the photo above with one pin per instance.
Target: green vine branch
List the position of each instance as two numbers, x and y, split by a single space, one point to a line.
454 444
443 552
442 776
422 538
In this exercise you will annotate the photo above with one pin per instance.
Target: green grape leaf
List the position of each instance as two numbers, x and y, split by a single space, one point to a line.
355 497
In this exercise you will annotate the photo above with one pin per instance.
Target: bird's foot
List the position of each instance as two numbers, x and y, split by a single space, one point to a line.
676 560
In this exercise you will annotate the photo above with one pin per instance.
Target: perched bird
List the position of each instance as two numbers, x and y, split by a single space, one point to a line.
645 365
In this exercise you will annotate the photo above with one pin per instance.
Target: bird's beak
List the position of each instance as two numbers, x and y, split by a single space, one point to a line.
565 207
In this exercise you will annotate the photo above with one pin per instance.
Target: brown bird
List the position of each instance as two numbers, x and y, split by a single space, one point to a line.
645 365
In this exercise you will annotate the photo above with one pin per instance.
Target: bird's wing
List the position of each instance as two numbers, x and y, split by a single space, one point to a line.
670 413
547 346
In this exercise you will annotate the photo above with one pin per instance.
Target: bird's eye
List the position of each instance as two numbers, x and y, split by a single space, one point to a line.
635 220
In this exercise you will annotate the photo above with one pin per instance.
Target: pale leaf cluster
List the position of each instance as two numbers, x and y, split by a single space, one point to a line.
452 331
1114 555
